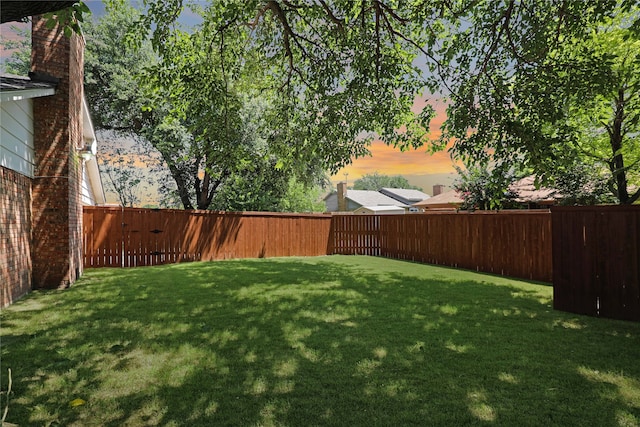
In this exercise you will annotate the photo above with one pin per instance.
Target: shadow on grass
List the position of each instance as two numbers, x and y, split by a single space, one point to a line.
316 341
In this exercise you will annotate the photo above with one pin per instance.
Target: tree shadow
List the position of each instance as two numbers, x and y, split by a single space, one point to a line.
325 341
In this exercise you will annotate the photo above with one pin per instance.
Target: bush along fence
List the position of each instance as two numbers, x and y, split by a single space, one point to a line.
592 255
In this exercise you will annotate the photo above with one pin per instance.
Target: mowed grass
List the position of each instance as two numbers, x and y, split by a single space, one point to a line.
344 341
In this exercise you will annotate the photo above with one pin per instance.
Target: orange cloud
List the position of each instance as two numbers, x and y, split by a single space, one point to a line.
391 161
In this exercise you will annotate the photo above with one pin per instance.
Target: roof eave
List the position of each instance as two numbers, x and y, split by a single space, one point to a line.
22 94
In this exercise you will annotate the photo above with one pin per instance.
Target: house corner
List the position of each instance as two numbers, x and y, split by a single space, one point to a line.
56 189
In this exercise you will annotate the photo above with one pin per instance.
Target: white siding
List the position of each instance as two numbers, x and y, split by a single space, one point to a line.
379 210
87 193
92 192
16 136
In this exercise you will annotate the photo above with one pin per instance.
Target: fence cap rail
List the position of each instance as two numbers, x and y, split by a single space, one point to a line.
598 208
213 213
542 211
452 212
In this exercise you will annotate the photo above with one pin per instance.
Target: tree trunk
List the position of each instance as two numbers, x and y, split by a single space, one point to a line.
615 140
183 191
209 189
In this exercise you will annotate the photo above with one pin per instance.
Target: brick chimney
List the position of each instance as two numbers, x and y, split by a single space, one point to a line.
56 205
342 197
438 189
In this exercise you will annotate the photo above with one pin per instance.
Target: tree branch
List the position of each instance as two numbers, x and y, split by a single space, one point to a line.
377 30
505 18
339 22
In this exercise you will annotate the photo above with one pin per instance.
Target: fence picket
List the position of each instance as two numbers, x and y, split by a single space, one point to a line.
510 243
596 261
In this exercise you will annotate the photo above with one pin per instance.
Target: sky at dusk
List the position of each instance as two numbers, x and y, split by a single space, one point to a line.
391 161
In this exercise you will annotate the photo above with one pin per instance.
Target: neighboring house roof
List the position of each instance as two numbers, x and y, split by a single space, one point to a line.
370 198
404 195
524 189
379 210
526 192
449 198
391 197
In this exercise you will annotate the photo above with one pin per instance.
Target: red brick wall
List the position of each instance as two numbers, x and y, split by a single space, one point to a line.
56 207
15 236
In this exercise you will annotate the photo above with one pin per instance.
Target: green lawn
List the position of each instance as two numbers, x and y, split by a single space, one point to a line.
345 341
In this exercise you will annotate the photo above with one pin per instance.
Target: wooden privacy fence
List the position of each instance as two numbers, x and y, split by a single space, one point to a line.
511 243
128 237
515 243
592 255
596 259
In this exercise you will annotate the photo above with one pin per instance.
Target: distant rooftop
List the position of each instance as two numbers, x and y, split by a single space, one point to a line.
448 197
526 192
404 194
370 198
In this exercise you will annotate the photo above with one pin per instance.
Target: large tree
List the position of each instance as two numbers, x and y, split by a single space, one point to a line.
197 115
348 69
604 110
545 85
112 68
343 71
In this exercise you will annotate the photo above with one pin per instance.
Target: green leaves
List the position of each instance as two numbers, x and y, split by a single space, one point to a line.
485 188
69 19
521 77
341 69
531 82
376 181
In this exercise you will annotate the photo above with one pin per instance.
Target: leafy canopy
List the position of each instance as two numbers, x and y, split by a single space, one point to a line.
516 74
542 85
485 188
204 118
376 181
343 71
